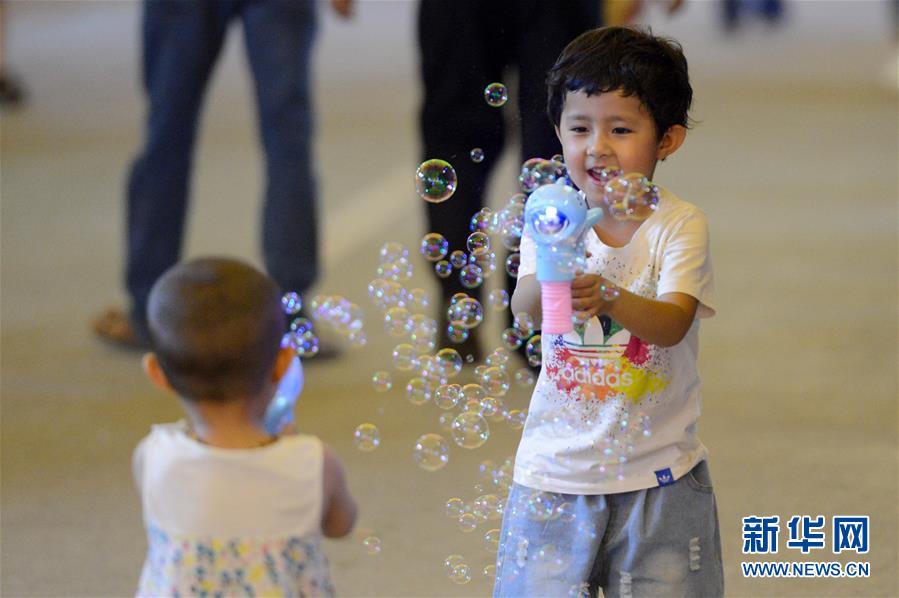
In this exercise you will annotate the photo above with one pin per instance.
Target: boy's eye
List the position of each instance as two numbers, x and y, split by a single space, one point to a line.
578 129
620 130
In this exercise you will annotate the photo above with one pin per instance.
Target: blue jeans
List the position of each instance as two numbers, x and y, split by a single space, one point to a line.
181 42
661 541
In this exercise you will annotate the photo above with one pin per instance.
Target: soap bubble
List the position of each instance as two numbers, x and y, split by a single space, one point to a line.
392 251
524 323
449 361
456 332
487 506
404 357
455 507
443 269
466 312
372 545
398 322
434 246
291 303
511 339
445 421
435 181
499 357
478 243
492 408
486 262
551 559
461 575
537 172
481 220
495 381
301 325
453 561
516 418
447 396
524 377
473 392
540 505
381 381
471 276
490 572
631 197
498 299
418 299
470 430
534 351
496 94
422 332
458 259
477 155
306 345
491 540
366 437
468 522
398 270
608 291
431 452
565 512
512 264
418 391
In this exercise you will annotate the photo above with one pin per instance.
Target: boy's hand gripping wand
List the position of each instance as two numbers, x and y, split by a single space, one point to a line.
557 217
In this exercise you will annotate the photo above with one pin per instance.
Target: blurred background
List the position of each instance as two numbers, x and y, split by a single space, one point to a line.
793 157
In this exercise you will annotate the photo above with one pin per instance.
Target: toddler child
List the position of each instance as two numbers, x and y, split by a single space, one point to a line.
611 489
229 508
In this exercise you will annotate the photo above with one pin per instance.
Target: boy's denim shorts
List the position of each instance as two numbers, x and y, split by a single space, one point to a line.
660 541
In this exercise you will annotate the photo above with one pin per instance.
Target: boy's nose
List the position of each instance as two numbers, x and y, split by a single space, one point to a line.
598 147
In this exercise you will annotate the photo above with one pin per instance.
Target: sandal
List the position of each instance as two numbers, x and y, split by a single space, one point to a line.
115 328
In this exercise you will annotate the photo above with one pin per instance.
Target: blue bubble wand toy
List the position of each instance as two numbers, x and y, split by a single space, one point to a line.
557 217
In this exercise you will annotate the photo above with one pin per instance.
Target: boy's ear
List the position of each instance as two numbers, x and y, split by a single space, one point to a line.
154 372
282 362
672 139
558 133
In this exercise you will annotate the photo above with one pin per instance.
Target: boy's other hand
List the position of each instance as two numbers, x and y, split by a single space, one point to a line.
586 295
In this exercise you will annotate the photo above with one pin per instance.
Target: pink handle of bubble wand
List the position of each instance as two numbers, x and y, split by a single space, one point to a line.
555 298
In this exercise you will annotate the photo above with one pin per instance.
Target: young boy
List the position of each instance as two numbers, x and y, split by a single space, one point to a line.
230 509
611 486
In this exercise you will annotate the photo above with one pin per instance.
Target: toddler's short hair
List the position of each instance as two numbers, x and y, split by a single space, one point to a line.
628 59
215 326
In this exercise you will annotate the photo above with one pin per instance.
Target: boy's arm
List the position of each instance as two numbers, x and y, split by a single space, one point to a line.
338 508
526 297
663 321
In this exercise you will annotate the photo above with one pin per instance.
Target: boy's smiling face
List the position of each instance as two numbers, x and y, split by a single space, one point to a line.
614 131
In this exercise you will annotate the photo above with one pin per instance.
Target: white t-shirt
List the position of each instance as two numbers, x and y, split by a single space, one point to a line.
235 521
611 413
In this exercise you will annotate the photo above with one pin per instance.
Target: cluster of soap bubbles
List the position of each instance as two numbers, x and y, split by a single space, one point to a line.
301 337
523 332
537 172
342 315
403 308
629 196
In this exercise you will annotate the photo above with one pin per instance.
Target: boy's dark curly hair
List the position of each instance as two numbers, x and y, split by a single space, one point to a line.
628 59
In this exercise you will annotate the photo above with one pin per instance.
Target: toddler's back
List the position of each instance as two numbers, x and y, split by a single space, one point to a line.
233 521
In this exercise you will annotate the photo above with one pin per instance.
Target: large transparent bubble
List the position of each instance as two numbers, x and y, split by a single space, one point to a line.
434 246
435 180
431 452
470 430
